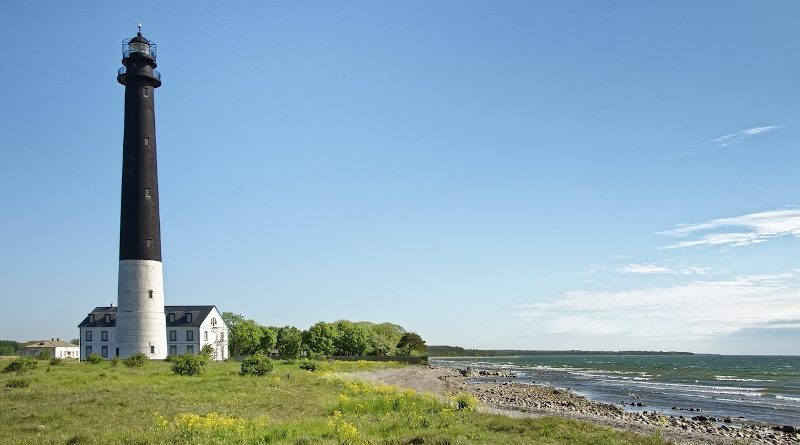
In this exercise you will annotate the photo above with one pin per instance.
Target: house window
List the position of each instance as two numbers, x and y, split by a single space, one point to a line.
214 321
152 349
173 335
148 242
205 335
173 349
170 318
188 318
104 351
108 318
150 294
88 335
91 318
222 336
190 349
104 337
189 335
88 351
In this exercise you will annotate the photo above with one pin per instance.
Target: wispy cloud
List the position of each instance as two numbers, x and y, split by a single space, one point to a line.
737 231
693 311
653 268
739 136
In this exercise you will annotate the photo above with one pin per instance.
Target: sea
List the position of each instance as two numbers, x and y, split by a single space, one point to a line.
749 389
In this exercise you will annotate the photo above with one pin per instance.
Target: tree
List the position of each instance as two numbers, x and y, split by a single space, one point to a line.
269 337
289 341
321 338
385 337
353 339
411 344
9 347
75 341
245 338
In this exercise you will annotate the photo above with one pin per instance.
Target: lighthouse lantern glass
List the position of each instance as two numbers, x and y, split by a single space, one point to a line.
139 47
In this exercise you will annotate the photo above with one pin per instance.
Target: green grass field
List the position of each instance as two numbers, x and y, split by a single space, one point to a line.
80 403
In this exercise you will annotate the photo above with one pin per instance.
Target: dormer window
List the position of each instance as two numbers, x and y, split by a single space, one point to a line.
108 318
170 318
91 318
188 318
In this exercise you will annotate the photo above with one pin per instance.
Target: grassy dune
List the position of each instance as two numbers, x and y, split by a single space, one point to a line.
79 403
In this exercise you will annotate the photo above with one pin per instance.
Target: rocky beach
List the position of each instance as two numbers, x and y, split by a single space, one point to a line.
499 393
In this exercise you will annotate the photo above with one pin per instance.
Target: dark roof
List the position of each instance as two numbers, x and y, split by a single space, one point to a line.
140 38
199 313
100 318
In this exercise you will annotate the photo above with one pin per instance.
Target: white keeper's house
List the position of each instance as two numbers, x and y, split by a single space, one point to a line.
55 347
189 329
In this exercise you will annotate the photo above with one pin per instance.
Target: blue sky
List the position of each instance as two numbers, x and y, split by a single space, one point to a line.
541 175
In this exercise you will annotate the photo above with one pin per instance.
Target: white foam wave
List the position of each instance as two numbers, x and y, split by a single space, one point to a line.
793 399
733 378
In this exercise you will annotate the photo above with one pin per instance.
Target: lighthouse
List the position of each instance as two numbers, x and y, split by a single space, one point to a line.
140 319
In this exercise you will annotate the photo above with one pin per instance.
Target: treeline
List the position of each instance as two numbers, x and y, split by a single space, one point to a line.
456 351
343 338
9 347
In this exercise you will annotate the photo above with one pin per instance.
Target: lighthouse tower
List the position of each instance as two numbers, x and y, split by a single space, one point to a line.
141 324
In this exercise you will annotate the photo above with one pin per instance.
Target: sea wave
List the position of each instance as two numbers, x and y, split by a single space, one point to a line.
793 399
733 378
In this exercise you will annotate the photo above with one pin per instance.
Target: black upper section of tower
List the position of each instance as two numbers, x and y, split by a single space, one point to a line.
140 226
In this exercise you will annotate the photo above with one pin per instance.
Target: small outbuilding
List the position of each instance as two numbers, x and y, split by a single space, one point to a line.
55 347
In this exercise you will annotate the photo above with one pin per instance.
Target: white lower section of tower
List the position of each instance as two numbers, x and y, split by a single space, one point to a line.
141 324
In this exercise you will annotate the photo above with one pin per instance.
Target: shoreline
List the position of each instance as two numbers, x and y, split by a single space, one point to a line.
515 399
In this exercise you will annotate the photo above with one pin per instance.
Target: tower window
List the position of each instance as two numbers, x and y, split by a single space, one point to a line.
146 141
152 349
147 192
150 294
145 91
149 242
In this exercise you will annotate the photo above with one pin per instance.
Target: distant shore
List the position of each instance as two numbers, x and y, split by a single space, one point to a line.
441 351
525 400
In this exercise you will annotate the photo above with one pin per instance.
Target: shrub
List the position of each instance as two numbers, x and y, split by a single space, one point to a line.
208 351
56 362
189 364
22 365
257 364
308 365
94 359
115 362
135 361
465 401
17 383
43 355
